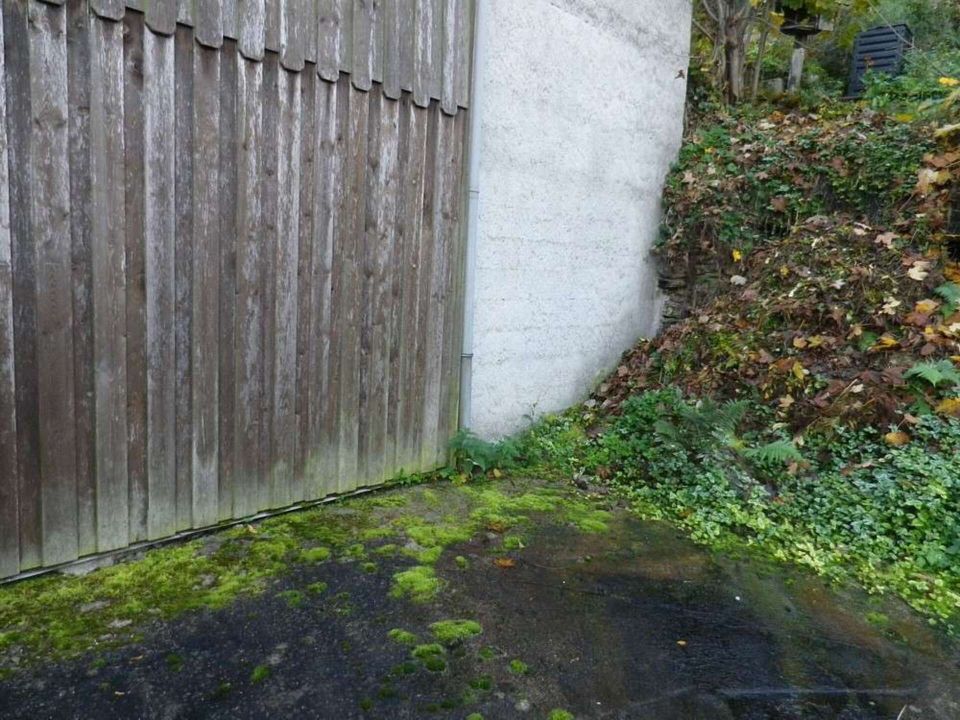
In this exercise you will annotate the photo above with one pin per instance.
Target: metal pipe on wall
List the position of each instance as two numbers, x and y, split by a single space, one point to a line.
473 214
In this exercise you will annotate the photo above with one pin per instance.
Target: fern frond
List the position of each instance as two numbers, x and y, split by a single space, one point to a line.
779 451
942 372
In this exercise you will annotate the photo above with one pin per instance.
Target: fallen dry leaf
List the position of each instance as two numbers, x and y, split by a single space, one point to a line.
896 439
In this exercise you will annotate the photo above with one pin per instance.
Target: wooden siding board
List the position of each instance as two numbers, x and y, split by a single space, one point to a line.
270 204
136 491
329 21
465 18
396 392
348 267
110 9
9 492
345 36
160 273
304 467
406 17
78 89
431 297
251 19
206 284
323 358
424 68
450 215
161 16
364 43
229 154
108 236
293 29
392 40
183 269
272 23
379 238
208 23
449 60
50 210
19 122
249 325
414 161
228 12
283 445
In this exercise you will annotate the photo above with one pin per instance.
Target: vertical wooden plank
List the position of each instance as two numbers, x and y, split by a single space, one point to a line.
159 229
185 12
310 12
251 16
78 88
411 268
107 238
229 14
348 267
249 327
377 41
324 356
292 34
364 42
50 211
110 9
464 44
183 270
272 21
161 16
228 277
435 67
345 32
392 28
9 494
450 62
270 204
24 256
305 449
431 300
423 52
206 283
284 425
379 239
329 21
407 16
452 200
208 23
137 493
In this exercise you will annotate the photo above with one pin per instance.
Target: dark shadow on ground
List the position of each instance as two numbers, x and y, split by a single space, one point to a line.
635 622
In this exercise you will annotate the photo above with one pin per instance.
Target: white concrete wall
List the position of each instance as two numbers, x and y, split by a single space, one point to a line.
582 109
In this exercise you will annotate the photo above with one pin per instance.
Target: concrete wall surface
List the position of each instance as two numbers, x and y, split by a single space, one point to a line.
582 107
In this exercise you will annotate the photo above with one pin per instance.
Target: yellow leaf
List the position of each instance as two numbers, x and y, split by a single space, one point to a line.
737 256
950 406
926 307
799 371
884 342
903 117
897 439
949 82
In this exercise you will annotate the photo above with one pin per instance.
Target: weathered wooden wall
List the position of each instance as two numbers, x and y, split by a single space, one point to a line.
230 259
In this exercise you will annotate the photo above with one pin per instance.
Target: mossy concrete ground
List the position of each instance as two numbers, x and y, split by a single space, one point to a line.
497 600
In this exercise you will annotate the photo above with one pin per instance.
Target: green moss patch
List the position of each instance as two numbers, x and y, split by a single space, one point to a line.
419 584
451 632
403 637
